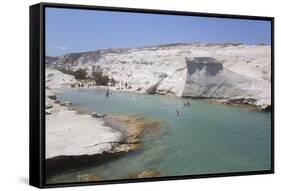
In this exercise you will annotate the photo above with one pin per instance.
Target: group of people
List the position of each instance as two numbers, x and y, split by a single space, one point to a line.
186 104
82 85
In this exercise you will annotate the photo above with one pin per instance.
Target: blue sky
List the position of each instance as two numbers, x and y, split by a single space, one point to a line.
74 30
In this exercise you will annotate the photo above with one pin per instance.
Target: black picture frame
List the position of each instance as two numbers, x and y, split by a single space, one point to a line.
37 93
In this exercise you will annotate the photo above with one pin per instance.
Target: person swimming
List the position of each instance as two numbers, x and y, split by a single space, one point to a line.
107 93
178 112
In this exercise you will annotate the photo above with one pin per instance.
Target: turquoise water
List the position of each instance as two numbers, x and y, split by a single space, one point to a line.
205 138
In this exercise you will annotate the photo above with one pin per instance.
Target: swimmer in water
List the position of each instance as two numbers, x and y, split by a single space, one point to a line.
107 93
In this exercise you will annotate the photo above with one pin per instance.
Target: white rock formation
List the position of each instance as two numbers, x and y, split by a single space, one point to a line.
207 78
233 72
56 79
69 134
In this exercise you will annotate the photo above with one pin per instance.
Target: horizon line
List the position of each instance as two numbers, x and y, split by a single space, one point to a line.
159 45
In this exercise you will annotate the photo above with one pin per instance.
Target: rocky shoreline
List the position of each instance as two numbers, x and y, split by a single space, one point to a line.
125 129
247 101
76 137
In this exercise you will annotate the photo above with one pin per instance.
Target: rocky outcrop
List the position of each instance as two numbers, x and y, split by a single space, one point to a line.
69 134
207 78
51 95
97 115
154 88
147 173
56 79
67 103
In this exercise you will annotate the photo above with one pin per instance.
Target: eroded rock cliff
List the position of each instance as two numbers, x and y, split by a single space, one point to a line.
233 73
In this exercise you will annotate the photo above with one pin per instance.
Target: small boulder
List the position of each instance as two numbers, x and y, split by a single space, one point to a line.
48 106
57 101
97 115
47 113
139 88
67 103
53 97
265 108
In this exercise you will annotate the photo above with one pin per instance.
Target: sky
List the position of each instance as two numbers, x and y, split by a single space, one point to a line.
74 30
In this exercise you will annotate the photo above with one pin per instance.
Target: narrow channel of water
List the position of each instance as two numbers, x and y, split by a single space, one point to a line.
205 138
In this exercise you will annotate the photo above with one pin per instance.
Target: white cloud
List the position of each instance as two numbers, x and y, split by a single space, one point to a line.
62 48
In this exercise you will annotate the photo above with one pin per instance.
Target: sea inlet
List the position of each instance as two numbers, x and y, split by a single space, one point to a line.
205 137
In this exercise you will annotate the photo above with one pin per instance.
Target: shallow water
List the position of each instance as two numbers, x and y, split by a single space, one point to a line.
205 138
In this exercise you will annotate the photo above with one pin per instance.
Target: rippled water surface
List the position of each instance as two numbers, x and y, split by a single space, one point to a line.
205 138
